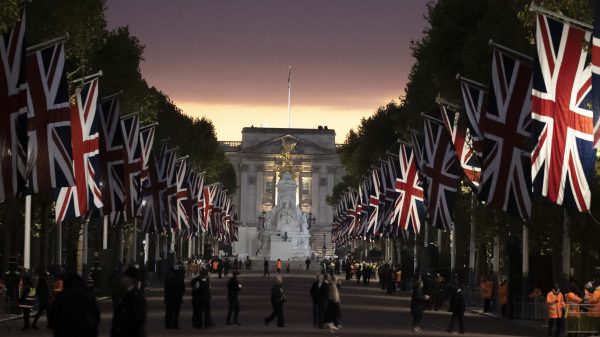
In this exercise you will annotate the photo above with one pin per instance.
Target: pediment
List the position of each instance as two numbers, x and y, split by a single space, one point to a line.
274 146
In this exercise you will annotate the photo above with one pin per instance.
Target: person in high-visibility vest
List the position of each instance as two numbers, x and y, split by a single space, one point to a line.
556 303
485 290
594 302
573 300
278 266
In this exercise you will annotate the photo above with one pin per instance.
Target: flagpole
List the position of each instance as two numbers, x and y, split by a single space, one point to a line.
27 234
510 51
289 96
105 233
565 19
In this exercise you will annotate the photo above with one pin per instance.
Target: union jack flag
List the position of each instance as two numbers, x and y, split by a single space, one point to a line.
85 197
13 115
374 195
463 143
563 157
49 152
130 131
196 201
208 193
111 154
364 189
506 167
417 147
183 217
409 208
146 142
474 97
596 76
442 174
155 209
388 180
168 202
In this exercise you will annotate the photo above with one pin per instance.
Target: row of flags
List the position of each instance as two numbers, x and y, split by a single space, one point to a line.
535 129
95 161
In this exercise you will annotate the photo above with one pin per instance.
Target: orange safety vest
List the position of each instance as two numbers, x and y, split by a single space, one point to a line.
555 303
572 304
485 289
594 310
279 264
503 293
215 265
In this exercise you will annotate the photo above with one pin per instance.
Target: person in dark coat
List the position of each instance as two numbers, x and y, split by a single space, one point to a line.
174 289
266 267
75 311
201 301
318 300
418 302
457 306
233 288
42 291
129 319
277 300
26 300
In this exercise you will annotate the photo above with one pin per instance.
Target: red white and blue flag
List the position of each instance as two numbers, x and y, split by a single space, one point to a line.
154 187
409 208
49 152
596 75
130 131
563 157
111 154
475 100
86 196
506 126
208 193
196 201
13 112
146 142
374 200
463 143
442 174
183 217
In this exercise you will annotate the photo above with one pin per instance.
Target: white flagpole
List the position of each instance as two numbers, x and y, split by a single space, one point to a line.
27 234
289 96
105 233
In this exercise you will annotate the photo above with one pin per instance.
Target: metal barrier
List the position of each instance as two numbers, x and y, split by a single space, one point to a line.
582 319
531 309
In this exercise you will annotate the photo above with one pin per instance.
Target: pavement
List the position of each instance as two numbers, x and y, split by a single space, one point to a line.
366 311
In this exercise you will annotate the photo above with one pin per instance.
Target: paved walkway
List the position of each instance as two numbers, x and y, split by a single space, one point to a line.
366 311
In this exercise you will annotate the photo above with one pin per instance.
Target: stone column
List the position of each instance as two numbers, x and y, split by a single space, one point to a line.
315 197
243 188
260 191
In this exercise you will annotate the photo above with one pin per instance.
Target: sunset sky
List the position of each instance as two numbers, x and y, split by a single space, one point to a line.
228 60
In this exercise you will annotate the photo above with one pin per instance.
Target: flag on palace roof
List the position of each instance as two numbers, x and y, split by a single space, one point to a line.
506 126
563 157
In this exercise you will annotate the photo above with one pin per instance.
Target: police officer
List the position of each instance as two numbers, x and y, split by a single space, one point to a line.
129 319
174 289
233 288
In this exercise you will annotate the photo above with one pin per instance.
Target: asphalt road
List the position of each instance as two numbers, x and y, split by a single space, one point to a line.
366 311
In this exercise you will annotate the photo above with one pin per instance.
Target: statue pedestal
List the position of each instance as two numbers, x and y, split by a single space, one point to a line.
297 247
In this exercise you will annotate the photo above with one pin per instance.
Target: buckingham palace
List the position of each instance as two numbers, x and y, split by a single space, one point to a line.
316 170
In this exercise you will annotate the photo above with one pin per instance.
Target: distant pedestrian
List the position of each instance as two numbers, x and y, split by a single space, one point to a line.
248 263
42 291
75 311
318 293
201 301
277 300
457 307
287 266
173 291
278 266
307 262
418 302
26 300
129 318
333 311
233 288
266 268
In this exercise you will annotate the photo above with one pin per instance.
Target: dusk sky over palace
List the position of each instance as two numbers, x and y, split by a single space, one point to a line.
228 60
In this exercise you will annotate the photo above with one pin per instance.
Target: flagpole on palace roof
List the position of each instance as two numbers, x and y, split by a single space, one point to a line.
289 96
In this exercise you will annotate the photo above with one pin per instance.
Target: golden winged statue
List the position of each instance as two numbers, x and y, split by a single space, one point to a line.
286 157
